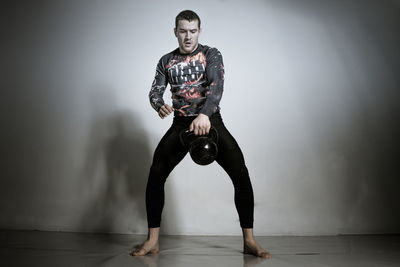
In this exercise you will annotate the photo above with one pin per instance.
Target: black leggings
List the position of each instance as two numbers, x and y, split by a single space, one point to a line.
170 152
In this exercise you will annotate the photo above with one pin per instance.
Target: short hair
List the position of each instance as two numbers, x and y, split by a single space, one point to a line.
186 15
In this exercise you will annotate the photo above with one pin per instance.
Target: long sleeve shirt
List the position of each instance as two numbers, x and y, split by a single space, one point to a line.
196 81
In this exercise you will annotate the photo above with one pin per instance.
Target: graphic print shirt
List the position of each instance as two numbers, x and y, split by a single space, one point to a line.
196 81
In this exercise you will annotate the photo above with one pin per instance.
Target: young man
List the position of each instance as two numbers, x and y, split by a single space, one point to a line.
195 73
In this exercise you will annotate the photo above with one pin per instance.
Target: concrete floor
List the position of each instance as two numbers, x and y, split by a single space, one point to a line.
34 248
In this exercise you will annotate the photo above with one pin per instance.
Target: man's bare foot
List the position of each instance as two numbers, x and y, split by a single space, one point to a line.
148 247
253 248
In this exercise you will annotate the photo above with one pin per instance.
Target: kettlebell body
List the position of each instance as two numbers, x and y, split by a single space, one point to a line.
203 149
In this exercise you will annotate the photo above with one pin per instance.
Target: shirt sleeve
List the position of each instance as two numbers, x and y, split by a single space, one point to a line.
215 79
158 87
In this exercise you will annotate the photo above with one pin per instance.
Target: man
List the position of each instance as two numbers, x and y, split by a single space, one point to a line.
195 73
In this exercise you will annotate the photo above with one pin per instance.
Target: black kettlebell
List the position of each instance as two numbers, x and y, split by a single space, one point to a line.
203 149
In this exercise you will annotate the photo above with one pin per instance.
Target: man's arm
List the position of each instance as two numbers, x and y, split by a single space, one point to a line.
215 76
158 87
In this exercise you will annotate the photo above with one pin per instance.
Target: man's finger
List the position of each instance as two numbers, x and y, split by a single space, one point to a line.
168 109
162 113
165 110
201 130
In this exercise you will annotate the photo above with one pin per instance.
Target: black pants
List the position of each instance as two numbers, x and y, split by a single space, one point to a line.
170 152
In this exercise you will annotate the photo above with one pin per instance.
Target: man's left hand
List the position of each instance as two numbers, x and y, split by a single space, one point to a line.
201 125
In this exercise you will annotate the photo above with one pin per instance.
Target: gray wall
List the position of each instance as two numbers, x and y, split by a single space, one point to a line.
311 95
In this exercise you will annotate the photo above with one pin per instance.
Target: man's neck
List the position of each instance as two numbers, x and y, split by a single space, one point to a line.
194 49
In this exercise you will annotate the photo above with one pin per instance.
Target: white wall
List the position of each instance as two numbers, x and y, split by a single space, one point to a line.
311 95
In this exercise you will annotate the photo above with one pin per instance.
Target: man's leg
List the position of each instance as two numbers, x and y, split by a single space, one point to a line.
230 158
167 155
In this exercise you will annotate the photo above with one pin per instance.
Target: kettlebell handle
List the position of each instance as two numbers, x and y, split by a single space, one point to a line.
187 131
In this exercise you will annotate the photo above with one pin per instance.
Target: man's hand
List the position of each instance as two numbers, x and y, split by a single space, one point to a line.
201 125
165 110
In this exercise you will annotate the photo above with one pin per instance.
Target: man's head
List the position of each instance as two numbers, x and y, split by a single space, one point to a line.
187 30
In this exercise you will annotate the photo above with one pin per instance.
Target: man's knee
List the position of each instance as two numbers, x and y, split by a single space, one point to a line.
159 172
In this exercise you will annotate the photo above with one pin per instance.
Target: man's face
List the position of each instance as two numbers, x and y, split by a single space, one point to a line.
188 35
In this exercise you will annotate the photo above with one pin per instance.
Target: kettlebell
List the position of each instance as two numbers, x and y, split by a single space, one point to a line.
203 149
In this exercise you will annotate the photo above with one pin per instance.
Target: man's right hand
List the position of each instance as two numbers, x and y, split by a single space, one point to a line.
165 110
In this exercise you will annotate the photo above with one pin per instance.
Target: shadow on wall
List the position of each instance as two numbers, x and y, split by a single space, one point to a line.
116 167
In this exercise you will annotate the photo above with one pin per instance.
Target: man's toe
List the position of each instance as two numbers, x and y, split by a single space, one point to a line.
265 255
139 252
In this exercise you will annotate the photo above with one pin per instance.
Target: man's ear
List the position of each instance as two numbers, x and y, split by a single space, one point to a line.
176 35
